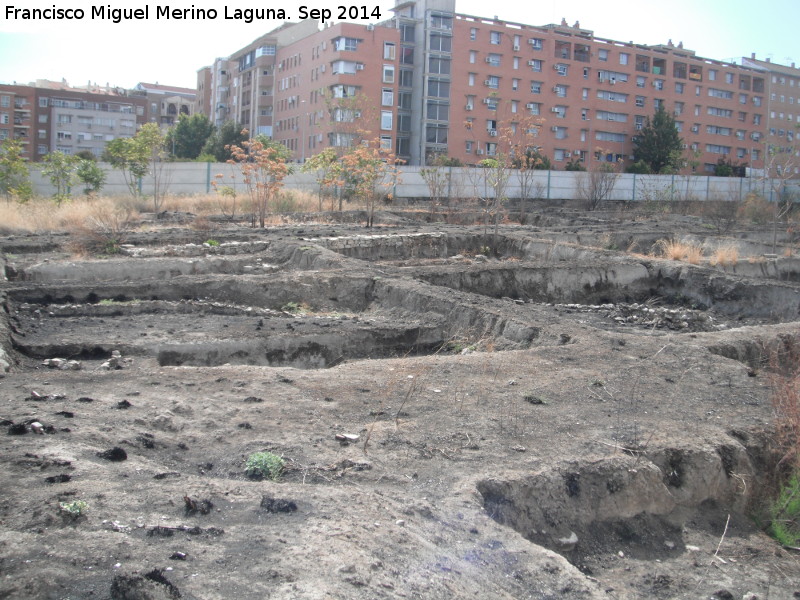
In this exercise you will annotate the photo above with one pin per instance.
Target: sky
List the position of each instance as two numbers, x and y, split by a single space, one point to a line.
171 51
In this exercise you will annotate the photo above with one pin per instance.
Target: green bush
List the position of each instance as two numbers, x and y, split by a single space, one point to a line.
785 513
264 465
73 509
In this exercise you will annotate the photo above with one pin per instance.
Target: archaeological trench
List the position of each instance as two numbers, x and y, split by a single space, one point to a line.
547 411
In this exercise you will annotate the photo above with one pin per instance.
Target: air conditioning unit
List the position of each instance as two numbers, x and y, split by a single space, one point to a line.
755 136
684 146
557 67
530 106
554 110
488 59
554 128
487 100
493 132
487 82
555 89
479 151
567 154
359 67
695 129
516 47
370 27
612 80
468 107
531 63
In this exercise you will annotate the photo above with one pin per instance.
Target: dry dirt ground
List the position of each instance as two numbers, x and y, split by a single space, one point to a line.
532 414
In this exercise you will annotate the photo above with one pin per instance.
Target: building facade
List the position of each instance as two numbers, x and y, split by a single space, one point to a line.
165 104
435 82
52 117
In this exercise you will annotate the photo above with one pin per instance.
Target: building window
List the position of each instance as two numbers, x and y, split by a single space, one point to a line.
345 43
473 33
536 87
514 84
388 51
535 65
623 58
42 118
387 97
473 56
536 43
560 91
562 69
602 55
640 101
406 78
516 62
440 43
439 66
679 87
386 120
493 82
438 111
712 75
5 101
514 106
441 22
436 134
728 77
388 74
535 108
471 79
406 55
493 60
438 89
495 37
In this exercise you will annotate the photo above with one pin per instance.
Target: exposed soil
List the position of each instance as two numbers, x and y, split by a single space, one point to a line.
532 414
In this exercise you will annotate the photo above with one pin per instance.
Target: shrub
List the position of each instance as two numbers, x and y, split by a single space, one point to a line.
785 513
679 250
73 509
264 465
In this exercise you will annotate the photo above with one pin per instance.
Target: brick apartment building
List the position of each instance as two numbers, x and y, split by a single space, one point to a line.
443 82
50 116
165 103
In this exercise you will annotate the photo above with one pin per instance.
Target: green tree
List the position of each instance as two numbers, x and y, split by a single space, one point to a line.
149 144
263 170
222 139
123 154
658 144
188 137
91 175
61 169
324 165
14 178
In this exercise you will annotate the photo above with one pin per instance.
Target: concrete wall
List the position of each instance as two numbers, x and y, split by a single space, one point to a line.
186 178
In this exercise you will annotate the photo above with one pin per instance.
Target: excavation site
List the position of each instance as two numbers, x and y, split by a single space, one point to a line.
559 409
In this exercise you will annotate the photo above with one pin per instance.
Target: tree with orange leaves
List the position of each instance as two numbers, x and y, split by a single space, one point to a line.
368 172
263 167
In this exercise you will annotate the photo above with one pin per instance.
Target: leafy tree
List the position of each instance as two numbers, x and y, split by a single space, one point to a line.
640 168
188 137
61 169
14 178
365 169
263 169
325 167
658 144
229 134
574 165
148 143
86 155
91 175
123 154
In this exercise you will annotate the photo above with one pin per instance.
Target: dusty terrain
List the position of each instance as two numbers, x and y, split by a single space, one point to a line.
533 414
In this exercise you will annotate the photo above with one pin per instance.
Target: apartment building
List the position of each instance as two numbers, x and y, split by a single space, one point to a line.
440 82
52 116
782 126
165 104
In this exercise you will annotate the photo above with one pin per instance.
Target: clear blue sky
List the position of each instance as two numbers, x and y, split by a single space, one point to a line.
170 52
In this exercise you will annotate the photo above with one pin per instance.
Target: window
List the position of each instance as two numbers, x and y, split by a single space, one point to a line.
388 74
612 96
473 33
640 101
535 108
441 22
388 51
584 114
536 87
406 55
386 120
560 91
728 77
560 112
493 60
604 115
535 65
266 51
720 112
437 111
441 43
495 37
5 101
756 100
473 55
436 134
42 118
623 58
658 84
406 78
716 93
403 123
345 67
387 97
491 148
493 82
715 130
602 55
679 87
4 120
471 79
345 43
42 102
406 33
608 136
712 75
562 69
679 108
536 43
641 81
560 133
42 134
491 125
439 66
516 62
438 89
585 94
586 72
638 122
742 98
715 149
470 102
514 106
515 84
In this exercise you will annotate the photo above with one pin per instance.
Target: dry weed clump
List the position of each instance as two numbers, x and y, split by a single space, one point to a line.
725 256
101 227
679 250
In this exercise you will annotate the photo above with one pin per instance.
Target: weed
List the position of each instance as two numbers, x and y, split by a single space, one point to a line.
785 513
679 250
264 465
74 509
296 308
212 243
725 256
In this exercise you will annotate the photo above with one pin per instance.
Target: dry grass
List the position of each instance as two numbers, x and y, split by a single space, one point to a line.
679 250
784 378
725 256
43 216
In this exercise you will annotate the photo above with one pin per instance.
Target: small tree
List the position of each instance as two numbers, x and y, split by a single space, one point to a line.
366 170
61 169
325 167
437 178
218 144
658 144
125 155
596 185
14 178
263 169
148 143
91 175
